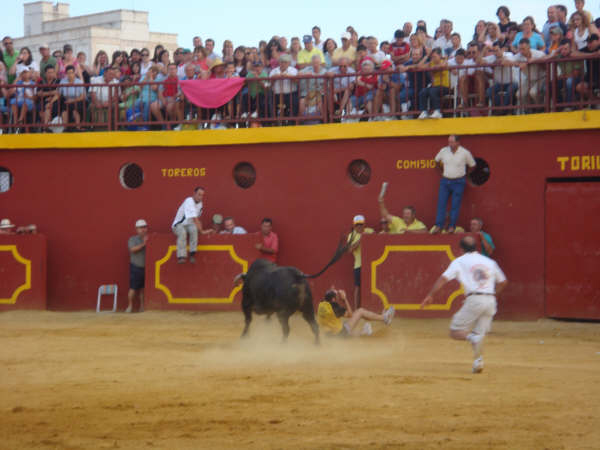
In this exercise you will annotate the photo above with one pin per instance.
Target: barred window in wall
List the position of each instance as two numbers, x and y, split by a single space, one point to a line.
6 179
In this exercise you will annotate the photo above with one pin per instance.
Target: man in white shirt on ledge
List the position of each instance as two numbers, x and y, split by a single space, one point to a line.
482 279
453 161
187 222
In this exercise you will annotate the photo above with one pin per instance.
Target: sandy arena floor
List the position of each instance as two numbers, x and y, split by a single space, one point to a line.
185 381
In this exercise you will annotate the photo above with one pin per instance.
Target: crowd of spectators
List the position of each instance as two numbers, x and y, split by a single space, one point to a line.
413 74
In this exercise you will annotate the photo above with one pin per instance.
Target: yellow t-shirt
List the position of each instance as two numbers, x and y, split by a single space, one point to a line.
327 319
398 225
356 252
440 77
339 53
305 57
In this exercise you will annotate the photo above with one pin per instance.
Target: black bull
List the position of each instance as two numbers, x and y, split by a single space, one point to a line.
272 289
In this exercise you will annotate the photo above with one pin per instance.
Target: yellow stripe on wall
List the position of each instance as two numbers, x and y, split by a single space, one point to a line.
575 120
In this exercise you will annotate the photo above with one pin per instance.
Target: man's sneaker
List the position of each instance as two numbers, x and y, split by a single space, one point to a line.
388 315
129 309
434 229
367 329
436 114
192 259
424 115
478 365
180 260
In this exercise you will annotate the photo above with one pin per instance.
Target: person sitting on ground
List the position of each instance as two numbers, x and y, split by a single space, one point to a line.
229 227
330 313
137 264
407 224
487 245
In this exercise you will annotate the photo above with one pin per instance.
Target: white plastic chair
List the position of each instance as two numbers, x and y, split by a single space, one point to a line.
107 289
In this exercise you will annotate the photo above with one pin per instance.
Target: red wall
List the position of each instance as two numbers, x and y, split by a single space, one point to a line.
76 199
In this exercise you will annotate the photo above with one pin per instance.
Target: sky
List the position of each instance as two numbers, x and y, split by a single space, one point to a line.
247 22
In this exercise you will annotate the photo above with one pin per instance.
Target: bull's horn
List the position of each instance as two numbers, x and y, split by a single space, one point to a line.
239 278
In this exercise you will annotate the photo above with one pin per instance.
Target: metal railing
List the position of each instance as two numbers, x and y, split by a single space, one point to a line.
478 90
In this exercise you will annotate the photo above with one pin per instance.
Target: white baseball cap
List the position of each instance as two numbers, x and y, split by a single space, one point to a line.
346 35
358 219
140 223
6 223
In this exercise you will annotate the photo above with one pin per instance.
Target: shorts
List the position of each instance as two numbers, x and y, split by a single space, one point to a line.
20 102
358 102
357 276
475 315
137 277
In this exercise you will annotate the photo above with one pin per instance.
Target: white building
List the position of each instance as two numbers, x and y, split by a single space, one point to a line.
122 29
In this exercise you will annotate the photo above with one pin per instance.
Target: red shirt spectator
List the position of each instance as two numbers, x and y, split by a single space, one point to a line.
399 49
270 242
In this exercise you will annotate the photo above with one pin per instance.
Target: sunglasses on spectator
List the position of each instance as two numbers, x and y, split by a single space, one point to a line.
145 54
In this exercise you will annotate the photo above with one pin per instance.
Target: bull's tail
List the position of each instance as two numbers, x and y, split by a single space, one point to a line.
342 248
239 278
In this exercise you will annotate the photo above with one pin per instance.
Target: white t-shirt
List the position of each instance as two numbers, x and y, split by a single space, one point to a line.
477 273
443 43
378 57
186 213
284 86
102 92
455 163
534 72
236 230
503 74
33 67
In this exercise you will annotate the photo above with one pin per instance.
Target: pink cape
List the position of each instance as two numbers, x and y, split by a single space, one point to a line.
211 93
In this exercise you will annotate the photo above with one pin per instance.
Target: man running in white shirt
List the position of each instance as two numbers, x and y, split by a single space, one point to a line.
482 279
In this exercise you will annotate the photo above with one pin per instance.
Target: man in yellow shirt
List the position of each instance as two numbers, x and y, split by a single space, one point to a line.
358 224
345 51
330 314
407 224
305 55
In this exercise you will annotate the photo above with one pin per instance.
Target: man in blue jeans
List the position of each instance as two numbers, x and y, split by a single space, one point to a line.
453 161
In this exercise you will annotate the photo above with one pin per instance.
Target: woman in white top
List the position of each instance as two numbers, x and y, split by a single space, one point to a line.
25 62
146 62
581 28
